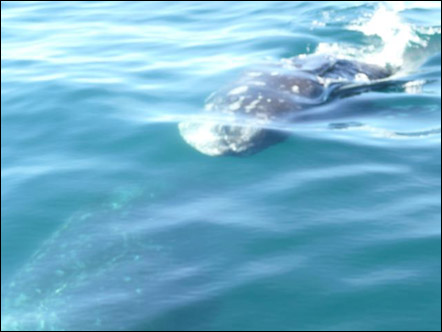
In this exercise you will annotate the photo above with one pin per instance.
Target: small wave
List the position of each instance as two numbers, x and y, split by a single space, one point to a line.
386 133
297 128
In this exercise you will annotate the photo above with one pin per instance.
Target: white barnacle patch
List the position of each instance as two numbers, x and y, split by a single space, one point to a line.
259 83
269 100
274 73
239 90
237 104
295 89
321 80
327 81
234 106
361 77
252 105
254 74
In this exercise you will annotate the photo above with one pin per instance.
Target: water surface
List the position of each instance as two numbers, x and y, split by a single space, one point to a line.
111 221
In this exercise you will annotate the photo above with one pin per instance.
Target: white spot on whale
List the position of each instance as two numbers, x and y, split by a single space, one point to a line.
234 106
239 90
237 104
252 105
360 77
254 74
295 89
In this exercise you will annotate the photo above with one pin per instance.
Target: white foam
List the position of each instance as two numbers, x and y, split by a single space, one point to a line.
209 106
395 34
414 87
384 22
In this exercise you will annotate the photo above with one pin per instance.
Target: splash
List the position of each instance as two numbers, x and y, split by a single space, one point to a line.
390 38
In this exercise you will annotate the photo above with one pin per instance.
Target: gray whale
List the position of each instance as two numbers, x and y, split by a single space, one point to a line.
240 113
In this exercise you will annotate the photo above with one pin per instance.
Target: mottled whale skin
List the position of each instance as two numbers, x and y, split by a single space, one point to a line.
240 113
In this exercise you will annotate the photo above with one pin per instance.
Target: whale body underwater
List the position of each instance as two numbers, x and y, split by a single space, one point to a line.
240 115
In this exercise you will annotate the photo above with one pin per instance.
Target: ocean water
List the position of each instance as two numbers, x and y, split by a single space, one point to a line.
110 221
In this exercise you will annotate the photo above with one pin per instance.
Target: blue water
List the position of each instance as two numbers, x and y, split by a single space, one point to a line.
110 221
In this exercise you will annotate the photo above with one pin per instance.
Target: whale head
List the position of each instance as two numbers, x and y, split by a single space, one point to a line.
218 139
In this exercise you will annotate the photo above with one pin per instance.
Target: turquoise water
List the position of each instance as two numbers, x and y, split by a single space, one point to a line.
110 221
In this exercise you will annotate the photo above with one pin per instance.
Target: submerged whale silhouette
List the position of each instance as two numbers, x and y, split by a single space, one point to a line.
241 112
